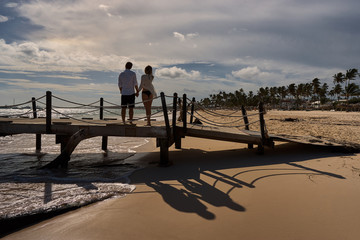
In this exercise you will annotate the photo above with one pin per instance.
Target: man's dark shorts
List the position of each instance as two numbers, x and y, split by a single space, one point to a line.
128 100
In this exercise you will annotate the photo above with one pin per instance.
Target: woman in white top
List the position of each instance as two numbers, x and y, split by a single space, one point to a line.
148 91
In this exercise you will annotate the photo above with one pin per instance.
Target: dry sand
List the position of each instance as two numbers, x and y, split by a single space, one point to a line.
222 190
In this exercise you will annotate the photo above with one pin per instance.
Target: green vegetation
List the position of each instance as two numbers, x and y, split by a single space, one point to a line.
301 96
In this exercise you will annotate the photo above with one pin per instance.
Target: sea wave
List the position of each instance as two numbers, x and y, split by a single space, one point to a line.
93 175
22 199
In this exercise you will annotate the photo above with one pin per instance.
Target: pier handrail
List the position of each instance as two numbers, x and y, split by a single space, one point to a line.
75 103
197 111
265 140
20 104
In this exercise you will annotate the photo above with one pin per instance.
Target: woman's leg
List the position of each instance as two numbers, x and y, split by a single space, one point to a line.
147 100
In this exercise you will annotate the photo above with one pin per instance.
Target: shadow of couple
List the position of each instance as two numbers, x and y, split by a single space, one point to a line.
187 199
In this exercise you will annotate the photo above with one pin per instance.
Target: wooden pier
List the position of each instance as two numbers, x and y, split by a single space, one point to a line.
70 132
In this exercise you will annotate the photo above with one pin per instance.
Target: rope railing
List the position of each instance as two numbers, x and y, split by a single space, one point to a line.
223 115
222 124
75 103
197 111
80 120
217 124
177 110
225 123
20 104
72 107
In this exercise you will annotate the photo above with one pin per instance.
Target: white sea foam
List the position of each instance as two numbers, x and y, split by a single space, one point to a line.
21 199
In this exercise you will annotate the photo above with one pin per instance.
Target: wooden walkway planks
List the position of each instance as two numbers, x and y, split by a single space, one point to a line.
70 127
64 129
224 134
308 140
9 126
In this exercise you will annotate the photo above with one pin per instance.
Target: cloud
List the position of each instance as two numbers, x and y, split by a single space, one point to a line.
223 30
187 90
74 88
252 43
175 72
11 5
105 8
250 73
3 18
32 57
179 36
183 37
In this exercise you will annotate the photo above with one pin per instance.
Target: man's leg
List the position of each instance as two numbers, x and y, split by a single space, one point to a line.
123 114
131 107
131 114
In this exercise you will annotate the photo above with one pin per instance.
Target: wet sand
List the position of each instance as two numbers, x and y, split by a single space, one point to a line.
223 190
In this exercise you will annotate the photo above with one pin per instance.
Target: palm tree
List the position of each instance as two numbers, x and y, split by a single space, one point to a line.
350 75
339 78
352 90
292 89
241 97
274 96
283 92
337 90
322 93
263 94
309 90
316 88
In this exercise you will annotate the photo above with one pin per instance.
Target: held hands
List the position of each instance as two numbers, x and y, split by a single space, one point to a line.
137 93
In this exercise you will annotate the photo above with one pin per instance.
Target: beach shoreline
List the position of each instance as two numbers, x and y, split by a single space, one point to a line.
216 189
13 224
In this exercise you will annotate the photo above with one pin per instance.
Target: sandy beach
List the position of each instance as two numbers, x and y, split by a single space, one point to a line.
222 190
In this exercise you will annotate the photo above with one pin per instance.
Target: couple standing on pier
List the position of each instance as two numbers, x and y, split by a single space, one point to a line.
127 83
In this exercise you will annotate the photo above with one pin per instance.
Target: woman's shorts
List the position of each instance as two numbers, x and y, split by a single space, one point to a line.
128 101
147 93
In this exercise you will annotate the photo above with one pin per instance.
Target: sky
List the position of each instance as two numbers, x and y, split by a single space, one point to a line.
77 48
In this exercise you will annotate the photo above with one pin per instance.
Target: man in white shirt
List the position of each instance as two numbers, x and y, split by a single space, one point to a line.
128 84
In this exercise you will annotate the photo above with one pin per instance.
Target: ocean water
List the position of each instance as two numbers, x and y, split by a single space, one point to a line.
92 175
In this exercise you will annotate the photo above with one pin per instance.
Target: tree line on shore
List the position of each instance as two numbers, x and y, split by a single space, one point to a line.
345 90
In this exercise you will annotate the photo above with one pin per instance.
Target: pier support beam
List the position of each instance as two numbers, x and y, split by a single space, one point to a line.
48 112
63 140
104 142
38 142
38 136
164 152
176 135
246 122
63 159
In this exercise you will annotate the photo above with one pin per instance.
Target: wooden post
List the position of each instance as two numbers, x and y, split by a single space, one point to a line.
166 116
104 142
192 110
63 140
164 152
262 128
38 136
48 112
177 138
246 121
34 107
164 142
184 113
101 108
